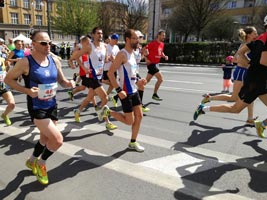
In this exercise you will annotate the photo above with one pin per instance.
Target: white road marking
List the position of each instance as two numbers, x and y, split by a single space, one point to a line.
143 173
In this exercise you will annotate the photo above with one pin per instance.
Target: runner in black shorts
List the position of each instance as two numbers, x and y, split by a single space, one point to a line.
255 83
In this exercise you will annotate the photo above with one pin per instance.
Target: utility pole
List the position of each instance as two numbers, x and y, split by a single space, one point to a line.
154 16
48 4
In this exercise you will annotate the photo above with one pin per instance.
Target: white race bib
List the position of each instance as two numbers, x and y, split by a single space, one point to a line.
2 76
47 91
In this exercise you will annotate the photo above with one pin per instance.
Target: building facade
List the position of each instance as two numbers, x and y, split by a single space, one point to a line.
24 16
244 12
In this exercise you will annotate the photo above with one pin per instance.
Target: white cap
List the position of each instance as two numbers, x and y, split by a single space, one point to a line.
2 40
265 21
139 34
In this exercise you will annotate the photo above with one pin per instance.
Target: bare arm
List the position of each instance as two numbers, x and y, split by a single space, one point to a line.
119 60
242 58
21 68
61 78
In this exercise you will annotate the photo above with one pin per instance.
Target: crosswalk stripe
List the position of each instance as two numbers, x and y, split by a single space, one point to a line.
134 170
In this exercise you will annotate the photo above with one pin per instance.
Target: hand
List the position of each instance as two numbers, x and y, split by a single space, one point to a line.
71 64
166 58
33 92
72 84
122 94
142 82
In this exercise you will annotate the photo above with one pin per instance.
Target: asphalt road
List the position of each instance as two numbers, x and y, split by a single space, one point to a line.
215 157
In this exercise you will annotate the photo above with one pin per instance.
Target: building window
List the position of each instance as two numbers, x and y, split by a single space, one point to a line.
15 33
231 4
39 20
14 18
26 4
245 20
28 34
13 3
166 12
27 18
39 4
264 2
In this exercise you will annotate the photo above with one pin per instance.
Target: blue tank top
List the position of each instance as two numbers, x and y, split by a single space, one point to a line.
18 53
45 78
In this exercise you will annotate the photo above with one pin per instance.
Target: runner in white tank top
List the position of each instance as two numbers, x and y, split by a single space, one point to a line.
126 65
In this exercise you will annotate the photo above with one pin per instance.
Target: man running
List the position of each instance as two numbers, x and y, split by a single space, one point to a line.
155 53
96 52
125 63
41 73
254 83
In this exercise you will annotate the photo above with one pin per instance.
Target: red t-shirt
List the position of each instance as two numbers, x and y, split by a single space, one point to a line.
84 59
155 50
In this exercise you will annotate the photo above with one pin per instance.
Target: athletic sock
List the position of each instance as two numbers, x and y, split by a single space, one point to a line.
206 108
38 150
133 140
46 154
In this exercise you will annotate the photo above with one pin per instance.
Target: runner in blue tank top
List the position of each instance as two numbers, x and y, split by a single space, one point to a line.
41 74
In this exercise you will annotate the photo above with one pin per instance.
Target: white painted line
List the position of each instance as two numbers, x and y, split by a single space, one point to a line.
133 170
181 89
192 73
187 82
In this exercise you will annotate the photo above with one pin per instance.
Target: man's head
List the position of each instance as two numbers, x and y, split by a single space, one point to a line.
41 42
131 39
2 41
97 34
114 39
161 36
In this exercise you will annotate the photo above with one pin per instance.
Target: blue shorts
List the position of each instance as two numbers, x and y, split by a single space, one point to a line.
240 73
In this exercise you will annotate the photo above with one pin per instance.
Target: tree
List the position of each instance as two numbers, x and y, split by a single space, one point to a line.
75 17
222 28
197 14
137 14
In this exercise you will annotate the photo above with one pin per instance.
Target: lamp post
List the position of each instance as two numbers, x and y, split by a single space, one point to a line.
153 21
48 4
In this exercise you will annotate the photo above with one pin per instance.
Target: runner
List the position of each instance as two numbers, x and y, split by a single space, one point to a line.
254 83
246 36
112 51
139 55
155 53
41 74
94 70
125 63
6 94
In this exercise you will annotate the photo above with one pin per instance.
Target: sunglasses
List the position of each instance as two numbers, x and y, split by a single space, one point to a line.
44 43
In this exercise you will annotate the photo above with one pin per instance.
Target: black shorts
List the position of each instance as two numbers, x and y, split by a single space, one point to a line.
251 90
152 69
50 113
130 101
85 81
105 75
3 91
94 83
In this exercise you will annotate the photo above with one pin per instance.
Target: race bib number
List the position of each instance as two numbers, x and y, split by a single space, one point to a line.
2 76
47 91
99 71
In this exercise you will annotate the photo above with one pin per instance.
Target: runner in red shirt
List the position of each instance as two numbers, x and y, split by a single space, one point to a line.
155 53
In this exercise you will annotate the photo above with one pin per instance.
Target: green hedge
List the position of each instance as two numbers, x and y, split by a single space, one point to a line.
198 52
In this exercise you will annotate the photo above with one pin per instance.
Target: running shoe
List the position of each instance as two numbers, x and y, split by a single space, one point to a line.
136 146
70 95
199 111
145 109
260 129
251 122
6 120
104 112
31 166
206 99
97 108
156 97
41 173
77 115
114 101
110 126
75 76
